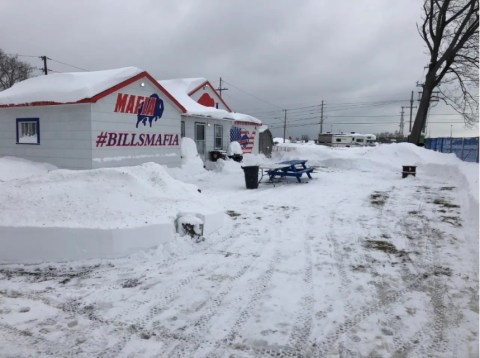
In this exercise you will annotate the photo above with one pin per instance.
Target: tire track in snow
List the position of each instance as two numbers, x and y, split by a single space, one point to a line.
126 329
180 341
437 291
433 340
324 346
164 299
41 345
337 254
429 340
302 327
189 342
260 287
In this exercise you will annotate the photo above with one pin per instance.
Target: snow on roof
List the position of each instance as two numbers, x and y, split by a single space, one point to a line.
180 88
65 87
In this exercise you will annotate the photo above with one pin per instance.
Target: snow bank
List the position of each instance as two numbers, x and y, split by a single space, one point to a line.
16 168
57 215
102 198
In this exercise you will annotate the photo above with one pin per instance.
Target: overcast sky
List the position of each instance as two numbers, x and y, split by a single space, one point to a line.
361 57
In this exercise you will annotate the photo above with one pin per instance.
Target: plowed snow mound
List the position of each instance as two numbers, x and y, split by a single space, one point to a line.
101 198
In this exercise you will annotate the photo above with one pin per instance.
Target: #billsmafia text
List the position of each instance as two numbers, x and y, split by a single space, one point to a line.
116 139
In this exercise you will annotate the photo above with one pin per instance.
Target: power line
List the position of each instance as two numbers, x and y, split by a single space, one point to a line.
355 123
250 94
328 108
66 64
51 59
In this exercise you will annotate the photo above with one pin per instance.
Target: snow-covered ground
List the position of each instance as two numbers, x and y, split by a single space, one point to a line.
356 262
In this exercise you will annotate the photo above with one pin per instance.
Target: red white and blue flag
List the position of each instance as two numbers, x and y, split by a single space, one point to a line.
244 137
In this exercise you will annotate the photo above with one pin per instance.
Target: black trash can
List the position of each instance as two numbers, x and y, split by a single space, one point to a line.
251 176
408 170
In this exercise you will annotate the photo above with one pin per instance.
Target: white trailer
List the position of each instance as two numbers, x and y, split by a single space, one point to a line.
346 139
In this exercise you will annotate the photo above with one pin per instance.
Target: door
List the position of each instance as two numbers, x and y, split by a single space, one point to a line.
200 139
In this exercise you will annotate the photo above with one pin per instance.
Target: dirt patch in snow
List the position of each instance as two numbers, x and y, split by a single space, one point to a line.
385 246
378 198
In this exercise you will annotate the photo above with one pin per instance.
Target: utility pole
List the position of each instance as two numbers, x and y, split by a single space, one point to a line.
402 123
220 88
321 119
285 126
45 69
411 107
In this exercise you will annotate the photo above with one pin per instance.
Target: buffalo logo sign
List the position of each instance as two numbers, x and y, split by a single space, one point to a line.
244 137
147 108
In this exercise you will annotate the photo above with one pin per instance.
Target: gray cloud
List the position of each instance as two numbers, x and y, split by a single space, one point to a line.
288 53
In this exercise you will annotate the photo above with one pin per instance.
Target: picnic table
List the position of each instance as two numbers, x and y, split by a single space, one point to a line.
289 168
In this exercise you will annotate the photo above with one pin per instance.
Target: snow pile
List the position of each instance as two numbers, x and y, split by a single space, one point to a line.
191 161
16 168
234 148
101 198
65 87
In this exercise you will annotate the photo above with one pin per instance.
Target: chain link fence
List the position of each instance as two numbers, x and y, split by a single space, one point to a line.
464 148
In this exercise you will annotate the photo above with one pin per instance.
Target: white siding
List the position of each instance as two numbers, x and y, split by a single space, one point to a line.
65 135
105 119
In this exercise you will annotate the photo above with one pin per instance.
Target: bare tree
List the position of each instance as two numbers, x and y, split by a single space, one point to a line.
450 31
12 70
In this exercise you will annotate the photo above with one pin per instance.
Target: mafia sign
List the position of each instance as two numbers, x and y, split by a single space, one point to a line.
146 108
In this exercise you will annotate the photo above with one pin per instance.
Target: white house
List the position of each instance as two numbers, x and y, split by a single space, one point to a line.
116 118
91 119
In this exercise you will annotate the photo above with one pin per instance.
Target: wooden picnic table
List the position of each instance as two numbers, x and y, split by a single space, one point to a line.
288 168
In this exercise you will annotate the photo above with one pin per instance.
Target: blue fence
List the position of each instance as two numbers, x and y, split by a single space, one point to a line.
464 148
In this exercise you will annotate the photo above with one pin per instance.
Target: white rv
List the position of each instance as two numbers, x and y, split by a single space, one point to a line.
363 139
346 140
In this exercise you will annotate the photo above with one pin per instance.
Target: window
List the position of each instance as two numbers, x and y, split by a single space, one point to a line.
218 136
28 131
339 139
182 129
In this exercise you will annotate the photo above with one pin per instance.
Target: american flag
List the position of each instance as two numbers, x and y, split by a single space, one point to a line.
244 137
